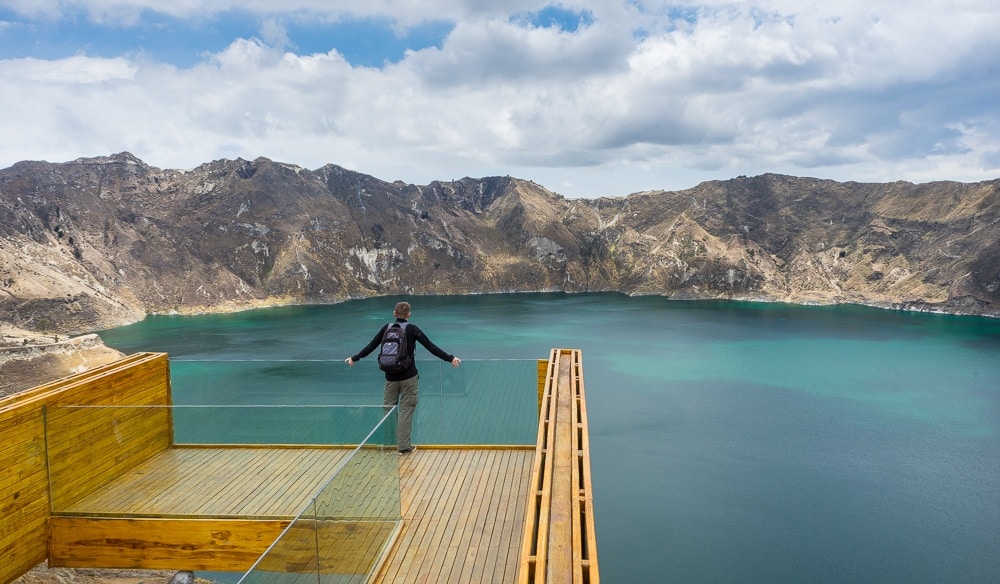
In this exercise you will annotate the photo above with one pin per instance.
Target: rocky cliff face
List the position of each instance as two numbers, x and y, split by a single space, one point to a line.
103 241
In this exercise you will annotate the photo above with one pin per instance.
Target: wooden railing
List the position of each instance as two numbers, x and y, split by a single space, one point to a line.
559 542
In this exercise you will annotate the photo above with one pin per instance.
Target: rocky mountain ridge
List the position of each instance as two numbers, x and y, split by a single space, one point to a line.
100 242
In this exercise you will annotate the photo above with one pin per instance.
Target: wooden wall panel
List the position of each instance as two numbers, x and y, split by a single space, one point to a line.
143 378
20 399
161 544
223 545
89 447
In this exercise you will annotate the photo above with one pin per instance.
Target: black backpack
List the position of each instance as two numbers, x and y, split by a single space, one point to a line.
394 356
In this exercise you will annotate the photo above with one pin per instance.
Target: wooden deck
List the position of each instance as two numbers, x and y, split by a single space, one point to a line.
488 513
462 509
221 482
463 512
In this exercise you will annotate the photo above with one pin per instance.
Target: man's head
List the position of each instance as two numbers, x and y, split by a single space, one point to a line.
402 310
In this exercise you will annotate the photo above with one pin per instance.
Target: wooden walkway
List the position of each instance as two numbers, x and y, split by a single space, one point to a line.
559 542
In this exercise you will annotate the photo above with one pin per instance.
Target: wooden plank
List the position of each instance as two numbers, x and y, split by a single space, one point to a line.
68 426
469 505
125 543
352 547
559 548
298 481
100 542
80 439
516 516
490 561
160 544
372 471
485 563
429 558
259 468
480 519
534 552
305 478
589 549
25 458
23 521
104 431
224 482
450 500
22 552
576 486
24 505
420 538
459 511
414 469
140 489
96 459
18 400
543 376
480 526
148 370
481 558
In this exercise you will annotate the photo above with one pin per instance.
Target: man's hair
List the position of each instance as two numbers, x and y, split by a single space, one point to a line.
402 310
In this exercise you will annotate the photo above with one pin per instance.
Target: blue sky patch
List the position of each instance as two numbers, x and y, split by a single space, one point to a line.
160 37
184 42
367 42
556 17
688 14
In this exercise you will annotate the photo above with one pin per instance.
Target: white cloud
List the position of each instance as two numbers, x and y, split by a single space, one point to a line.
499 52
647 96
69 72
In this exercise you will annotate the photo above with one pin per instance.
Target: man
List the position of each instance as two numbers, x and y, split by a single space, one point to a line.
401 388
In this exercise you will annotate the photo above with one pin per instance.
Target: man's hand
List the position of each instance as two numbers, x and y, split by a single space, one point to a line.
456 362
350 361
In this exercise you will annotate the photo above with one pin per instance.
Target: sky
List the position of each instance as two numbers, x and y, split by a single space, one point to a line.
587 98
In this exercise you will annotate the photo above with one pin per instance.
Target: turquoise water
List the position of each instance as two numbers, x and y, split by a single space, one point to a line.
731 442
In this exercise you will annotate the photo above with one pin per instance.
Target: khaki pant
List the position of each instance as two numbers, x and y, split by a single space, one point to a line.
403 393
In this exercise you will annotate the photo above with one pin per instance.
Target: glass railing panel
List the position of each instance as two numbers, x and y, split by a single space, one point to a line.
347 527
275 424
249 405
258 381
90 446
489 402
367 486
483 402
359 511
